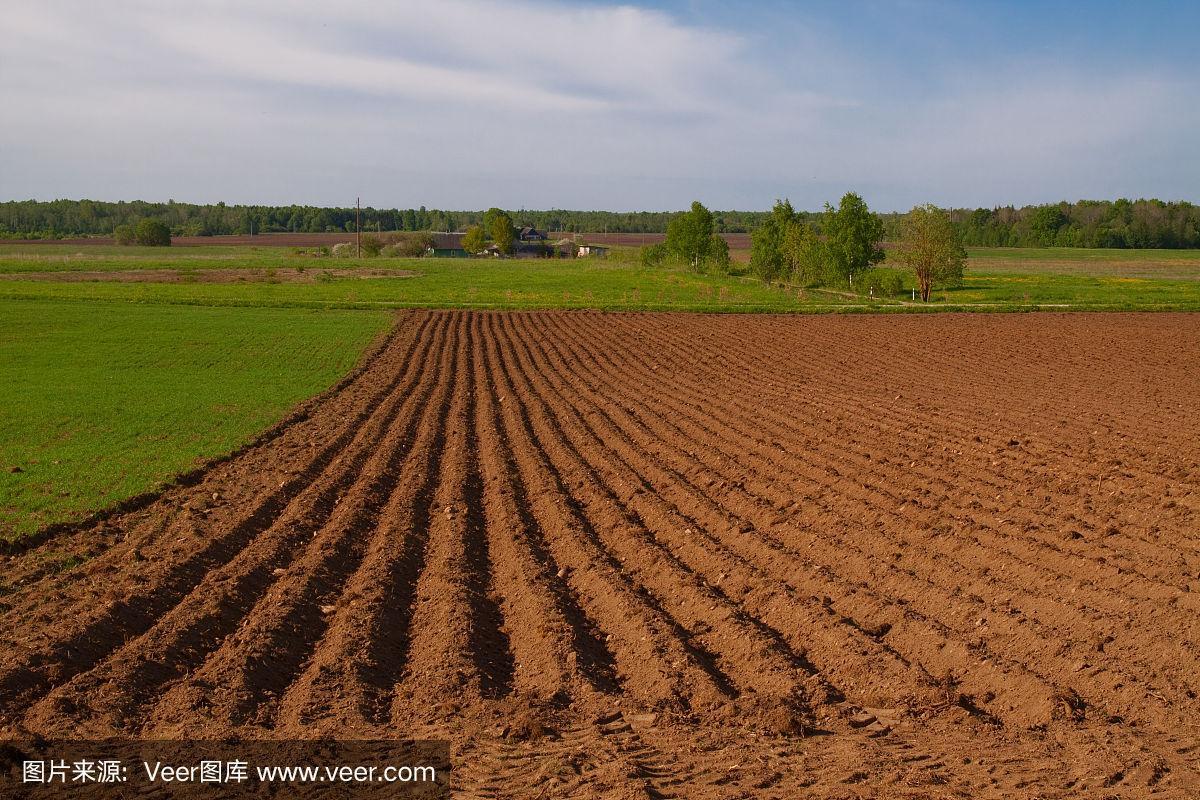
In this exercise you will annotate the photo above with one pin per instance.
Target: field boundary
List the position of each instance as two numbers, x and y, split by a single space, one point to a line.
902 307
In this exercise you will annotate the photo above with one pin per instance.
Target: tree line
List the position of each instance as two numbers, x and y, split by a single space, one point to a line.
62 218
845 244
1087 223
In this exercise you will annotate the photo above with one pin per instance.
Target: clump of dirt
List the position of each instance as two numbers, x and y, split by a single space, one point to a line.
1068 705
528 726
525 721
769 714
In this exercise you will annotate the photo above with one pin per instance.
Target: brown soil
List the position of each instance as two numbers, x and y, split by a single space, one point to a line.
205 275
677 556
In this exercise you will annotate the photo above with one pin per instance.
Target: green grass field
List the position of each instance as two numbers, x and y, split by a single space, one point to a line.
109 387
997 279
101 402
441 283
66 258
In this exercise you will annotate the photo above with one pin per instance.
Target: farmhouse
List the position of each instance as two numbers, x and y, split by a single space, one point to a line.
448 245
530 234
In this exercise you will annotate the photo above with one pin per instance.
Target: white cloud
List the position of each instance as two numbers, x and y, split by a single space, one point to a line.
470 103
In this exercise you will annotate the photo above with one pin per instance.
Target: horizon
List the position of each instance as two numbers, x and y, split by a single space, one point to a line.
551 209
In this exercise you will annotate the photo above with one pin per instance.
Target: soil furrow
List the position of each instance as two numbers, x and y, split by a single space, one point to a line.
349 678
869 522
1068 590
456 645
98 630
645 555
652 662
776 668
243 679
1134 693
189 632
612 528
555 643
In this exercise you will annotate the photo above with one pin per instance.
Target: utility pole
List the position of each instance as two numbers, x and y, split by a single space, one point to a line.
358 227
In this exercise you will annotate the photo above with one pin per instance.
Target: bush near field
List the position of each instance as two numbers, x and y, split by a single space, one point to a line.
880 282
146 232
388 245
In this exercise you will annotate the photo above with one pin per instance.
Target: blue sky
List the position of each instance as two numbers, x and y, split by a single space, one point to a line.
531 104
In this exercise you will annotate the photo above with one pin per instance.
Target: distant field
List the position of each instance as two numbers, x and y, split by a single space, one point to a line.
612 284
100 402
1151 264
93 257
997 279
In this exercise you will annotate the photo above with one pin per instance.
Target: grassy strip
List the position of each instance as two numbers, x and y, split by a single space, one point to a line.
619 289
60 257
451 283
102 402
1094 255
77 258
1022 278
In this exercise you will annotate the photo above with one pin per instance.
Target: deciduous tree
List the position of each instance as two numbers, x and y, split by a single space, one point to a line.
689 236
767 259
718 253
474 241
852 237
501 229
410 244
804 254
931 248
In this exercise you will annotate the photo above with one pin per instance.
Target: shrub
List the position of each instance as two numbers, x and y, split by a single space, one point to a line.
653 255
152 233
718 254
123 234
880 281
371 246
409 245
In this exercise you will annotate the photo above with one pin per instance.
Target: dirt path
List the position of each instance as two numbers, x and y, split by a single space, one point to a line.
638 555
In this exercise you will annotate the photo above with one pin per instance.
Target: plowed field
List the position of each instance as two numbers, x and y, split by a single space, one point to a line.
676 556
